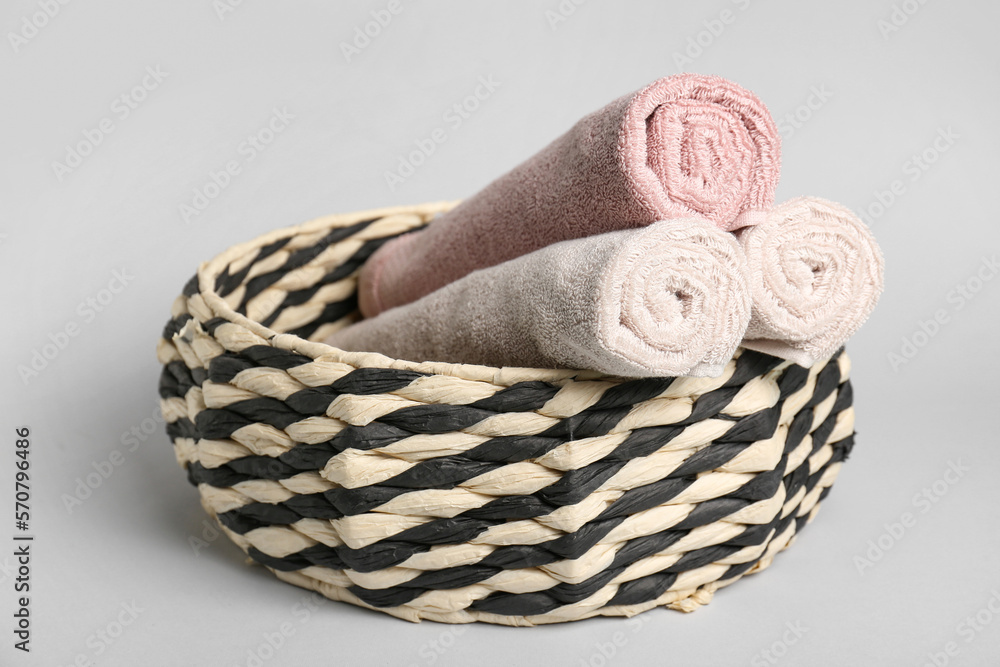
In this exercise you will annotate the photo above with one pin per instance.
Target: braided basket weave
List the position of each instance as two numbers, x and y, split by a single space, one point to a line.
462 493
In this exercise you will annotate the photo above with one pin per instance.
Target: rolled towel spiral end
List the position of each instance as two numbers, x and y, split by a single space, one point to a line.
674 300
815 273
701 145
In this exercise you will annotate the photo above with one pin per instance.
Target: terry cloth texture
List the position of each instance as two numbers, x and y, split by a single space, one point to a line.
686 145
668 299
815 273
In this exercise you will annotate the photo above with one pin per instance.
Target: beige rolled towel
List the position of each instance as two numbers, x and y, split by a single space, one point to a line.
667 299
815 273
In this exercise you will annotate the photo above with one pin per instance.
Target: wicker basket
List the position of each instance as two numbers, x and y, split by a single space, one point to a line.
462 493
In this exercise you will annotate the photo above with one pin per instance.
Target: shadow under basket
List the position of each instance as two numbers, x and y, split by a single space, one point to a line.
461 493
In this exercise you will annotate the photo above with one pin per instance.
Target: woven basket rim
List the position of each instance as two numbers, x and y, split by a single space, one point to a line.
209 271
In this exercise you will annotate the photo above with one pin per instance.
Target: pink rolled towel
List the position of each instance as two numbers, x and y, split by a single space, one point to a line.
815 273
667 299
686 145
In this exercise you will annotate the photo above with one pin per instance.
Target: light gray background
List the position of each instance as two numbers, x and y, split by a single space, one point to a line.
128 542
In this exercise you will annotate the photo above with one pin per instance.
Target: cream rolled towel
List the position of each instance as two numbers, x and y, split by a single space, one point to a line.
815 273
667 299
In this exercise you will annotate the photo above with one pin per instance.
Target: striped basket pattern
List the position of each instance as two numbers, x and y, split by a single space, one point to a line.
461 493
